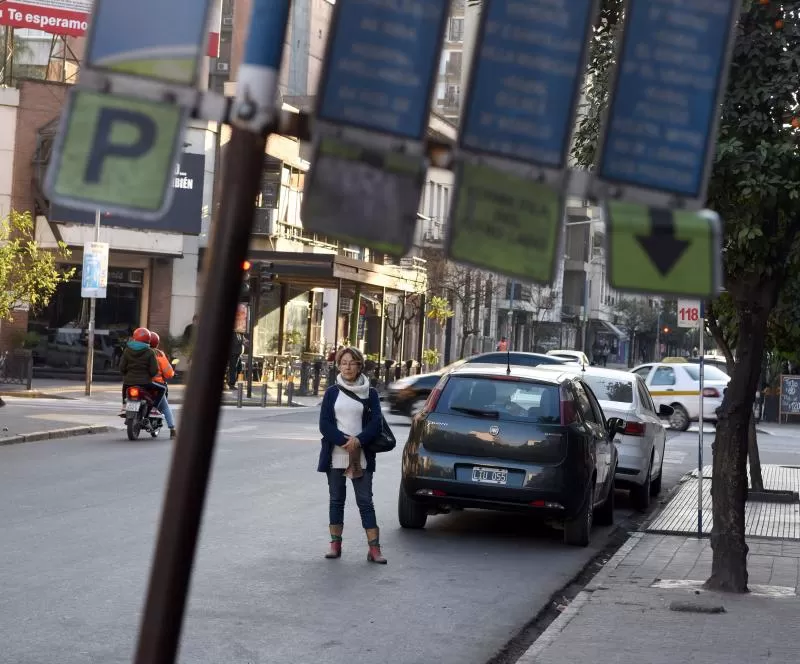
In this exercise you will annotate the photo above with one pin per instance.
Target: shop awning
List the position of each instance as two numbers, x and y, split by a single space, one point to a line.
332 271
613 329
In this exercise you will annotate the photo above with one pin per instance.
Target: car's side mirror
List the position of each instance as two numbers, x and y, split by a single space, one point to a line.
615 425
665 411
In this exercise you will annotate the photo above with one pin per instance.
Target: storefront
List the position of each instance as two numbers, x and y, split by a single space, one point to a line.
58 334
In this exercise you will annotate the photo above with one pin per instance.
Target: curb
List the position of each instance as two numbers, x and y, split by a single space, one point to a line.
33 394
54 434
555 628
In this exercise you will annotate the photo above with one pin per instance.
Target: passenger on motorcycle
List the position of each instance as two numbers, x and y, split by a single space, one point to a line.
165 373
139 367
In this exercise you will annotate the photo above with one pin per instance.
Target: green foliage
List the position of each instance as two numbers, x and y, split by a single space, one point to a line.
29 274
637 316
756 179
439 310
430 357
596 90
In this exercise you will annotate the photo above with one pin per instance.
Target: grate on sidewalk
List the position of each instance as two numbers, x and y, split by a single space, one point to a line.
762 520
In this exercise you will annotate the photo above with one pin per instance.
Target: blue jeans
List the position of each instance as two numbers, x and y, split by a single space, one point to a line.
337 486
163 406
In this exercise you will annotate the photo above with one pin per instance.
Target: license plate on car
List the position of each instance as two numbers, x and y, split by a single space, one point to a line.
132 406
489 475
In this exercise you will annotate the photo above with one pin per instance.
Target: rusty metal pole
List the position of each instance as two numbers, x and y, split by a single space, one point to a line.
254 116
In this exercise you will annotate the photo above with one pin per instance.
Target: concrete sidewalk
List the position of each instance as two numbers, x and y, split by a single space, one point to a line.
61 389
647 606
16 427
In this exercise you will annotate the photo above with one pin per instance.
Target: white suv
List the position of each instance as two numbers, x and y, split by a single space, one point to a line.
677 384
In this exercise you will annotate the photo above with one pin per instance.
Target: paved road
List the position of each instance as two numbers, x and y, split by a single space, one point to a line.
78 519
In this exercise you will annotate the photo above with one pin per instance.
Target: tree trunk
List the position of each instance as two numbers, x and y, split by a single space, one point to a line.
756 479
729 479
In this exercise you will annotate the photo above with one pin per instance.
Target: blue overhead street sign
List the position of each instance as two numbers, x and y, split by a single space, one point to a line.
156 39
380 65
661 129
526 78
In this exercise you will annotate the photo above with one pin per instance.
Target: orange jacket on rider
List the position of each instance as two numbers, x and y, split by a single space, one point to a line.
165 370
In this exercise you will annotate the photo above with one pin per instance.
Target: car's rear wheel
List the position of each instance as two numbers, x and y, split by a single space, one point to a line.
655 485
640 495
604 515
578 530
679 420
410 513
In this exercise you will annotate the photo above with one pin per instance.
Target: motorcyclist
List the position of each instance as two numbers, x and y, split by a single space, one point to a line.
139 367
165 373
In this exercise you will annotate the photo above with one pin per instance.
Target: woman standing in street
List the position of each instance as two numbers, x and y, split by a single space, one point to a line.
349 421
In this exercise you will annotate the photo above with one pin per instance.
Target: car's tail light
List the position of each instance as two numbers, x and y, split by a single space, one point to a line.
569 415
548 505
433 399
711 392
133 392
633 429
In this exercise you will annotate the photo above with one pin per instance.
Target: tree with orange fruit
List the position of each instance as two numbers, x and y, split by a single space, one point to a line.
755 187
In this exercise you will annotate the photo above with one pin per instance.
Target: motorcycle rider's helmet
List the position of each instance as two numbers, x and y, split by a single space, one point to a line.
154 340
142 334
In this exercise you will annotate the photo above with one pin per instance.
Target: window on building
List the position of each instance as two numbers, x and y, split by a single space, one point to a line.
456 33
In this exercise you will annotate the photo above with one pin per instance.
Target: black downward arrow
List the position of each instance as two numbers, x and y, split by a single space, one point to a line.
663 248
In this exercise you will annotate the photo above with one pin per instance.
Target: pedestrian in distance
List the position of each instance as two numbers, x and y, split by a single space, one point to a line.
349 421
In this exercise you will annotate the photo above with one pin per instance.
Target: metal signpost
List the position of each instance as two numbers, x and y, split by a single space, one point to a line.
691 315
525 78
369 163
117 151
94 282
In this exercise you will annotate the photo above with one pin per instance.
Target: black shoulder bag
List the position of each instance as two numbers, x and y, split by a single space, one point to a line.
385 441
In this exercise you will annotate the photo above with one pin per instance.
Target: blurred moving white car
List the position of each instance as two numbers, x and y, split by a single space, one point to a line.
572 356
677 384
641 446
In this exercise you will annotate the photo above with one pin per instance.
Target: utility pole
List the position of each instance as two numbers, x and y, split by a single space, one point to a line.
254 116
92 316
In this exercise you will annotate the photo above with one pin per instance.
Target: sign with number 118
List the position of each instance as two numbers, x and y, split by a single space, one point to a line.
689 313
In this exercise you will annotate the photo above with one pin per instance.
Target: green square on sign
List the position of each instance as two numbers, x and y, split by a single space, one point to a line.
116 153
664 252
505 223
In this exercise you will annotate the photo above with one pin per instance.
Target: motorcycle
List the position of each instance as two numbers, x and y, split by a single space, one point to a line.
138 408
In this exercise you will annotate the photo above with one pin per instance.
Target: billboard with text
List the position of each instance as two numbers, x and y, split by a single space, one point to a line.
58 17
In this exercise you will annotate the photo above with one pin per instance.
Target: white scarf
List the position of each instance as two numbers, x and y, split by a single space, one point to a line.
359 387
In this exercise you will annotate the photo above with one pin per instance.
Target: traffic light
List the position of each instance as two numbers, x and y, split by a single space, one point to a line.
266 278
244 294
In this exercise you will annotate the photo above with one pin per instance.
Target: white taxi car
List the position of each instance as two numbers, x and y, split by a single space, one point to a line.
677 384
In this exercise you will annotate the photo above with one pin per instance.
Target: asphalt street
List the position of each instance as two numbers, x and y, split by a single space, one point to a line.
79 516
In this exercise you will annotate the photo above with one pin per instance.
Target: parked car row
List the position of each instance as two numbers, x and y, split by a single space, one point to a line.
541 435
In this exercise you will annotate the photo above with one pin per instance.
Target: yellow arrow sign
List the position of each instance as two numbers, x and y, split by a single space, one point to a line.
664 252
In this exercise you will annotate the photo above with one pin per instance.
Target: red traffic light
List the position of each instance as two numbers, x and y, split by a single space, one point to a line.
246 265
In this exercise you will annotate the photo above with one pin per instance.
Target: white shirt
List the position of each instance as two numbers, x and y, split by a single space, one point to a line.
349 420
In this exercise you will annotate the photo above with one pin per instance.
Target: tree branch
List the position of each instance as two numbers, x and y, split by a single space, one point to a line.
712 322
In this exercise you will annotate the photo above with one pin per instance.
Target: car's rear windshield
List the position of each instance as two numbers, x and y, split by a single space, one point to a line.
709 372
514 359
611 389
502 399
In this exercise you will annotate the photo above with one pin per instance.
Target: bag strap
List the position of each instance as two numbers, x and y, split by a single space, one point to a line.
353 395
